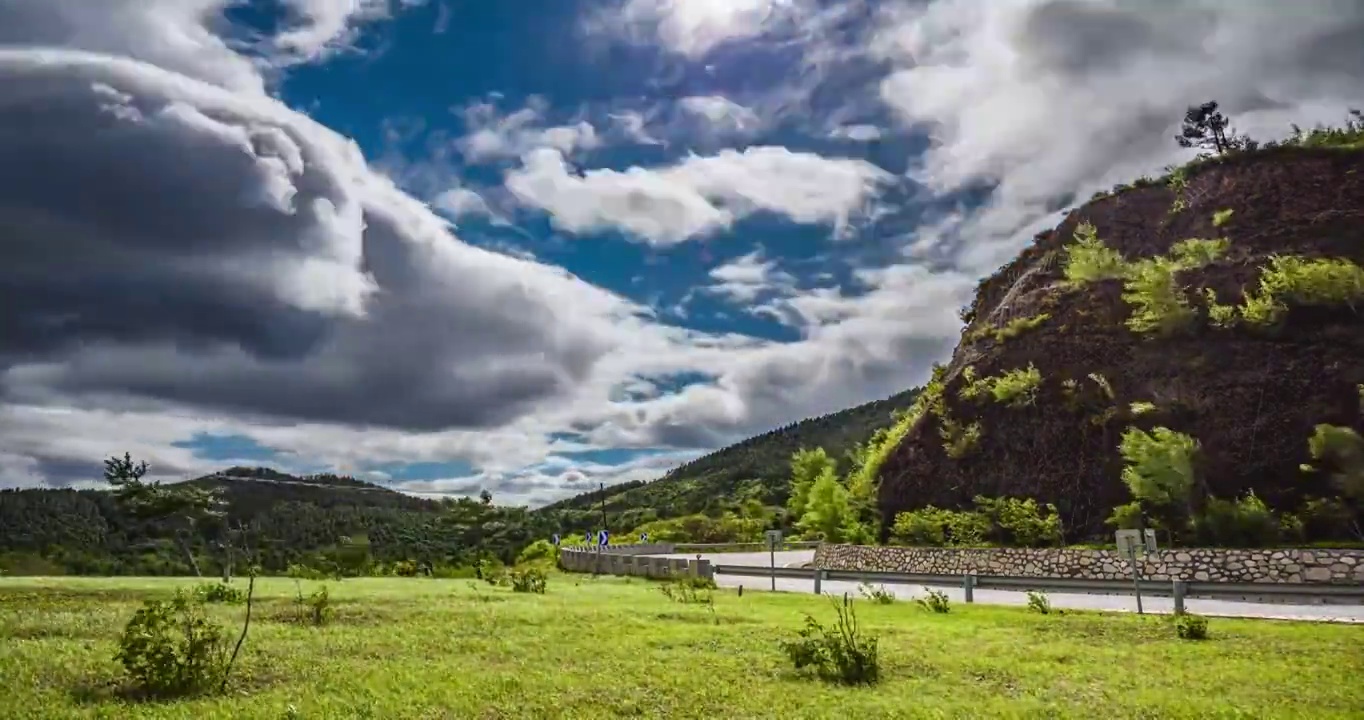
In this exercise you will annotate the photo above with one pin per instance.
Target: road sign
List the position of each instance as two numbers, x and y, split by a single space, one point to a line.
644 537
1129 542
587 538
602 537
773 538
1149 540
555 539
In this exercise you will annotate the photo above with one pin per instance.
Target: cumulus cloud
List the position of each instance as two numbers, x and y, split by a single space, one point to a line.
694 27
698 195
1047 99
743 279
494 136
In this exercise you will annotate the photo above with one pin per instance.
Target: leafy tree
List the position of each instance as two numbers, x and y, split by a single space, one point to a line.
807 466
828 511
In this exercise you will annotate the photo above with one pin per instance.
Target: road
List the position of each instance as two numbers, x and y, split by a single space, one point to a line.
1161 605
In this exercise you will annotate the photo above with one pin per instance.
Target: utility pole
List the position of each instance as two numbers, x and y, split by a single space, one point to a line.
602 488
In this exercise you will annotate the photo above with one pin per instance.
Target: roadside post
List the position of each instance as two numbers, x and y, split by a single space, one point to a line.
1130 543
773 540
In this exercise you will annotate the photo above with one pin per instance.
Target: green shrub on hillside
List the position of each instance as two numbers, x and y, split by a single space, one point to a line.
1340 451
1004 521
1021 522
1293 281
1088 259
1198 252
959 439
842 654
1157 300
1016 388
1221 217
1159 472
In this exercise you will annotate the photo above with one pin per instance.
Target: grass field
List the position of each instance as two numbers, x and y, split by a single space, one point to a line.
612 647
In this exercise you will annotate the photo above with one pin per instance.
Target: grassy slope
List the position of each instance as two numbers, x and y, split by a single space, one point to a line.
614 648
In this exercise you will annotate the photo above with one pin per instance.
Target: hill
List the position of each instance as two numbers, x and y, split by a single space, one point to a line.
757 468
319 520
1207 323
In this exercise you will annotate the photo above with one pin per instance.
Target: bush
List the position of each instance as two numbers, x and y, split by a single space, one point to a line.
936 527
529 580
1197 252
1021 522
1159 465
405 568
688 593
840 654
219 592
1221 217
171 648
1290 280
1191 627
315 609
1158 302
1038 602
1246 522
878 595
935 601
1340 450
539 550
1088 259
1015 388
958 439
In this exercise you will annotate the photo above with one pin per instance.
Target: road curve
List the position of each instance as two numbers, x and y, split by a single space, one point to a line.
1120 603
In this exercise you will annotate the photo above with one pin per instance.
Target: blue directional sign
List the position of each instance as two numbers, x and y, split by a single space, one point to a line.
555 539
602 537
587 538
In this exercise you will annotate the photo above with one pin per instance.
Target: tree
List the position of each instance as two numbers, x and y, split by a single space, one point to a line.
828 509
1206 127
806 467
485 496
184 506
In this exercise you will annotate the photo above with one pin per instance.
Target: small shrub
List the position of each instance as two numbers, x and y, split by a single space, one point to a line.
1038 602
1290 280
529 580
1198 252
1142 407
683 590
1221 217
1157 300
1178 183
171 648
878 595
696 581
1340 450
405 568
315 609
936 527
1016 388
219 592
1159 464
935 601
958 439
1223 316
1088 259
539 550
1245 522
1191 627
841 654
1020 522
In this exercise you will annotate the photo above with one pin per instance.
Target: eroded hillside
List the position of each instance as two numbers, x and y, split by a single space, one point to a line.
1180 311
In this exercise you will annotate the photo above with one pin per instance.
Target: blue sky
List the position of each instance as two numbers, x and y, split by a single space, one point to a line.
536 246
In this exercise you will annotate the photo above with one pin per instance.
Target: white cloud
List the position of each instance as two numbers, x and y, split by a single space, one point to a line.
721 115
743 279
493 136
694 27
1050 98
698 195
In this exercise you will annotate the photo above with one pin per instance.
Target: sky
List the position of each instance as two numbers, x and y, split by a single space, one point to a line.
536 245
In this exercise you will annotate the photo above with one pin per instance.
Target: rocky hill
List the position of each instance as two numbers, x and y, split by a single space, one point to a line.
1194 303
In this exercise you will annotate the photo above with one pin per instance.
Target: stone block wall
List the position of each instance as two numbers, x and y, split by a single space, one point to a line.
637 560
1189 564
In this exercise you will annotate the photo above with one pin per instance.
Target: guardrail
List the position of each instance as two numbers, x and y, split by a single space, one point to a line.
1292 593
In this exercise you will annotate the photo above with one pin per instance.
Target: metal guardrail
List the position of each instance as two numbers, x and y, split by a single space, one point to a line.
1291 593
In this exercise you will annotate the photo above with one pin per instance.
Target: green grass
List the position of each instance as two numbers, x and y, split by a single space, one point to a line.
611 647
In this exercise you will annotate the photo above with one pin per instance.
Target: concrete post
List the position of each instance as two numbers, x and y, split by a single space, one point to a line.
1179 588
968 587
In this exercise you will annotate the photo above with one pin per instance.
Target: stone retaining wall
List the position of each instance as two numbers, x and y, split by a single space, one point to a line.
639 560
1189 564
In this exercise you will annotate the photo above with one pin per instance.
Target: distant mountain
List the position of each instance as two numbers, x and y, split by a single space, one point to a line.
757 468
290 519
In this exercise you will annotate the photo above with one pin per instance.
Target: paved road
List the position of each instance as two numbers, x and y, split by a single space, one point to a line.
1163 605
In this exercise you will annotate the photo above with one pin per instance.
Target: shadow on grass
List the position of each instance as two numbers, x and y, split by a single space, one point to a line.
121 690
